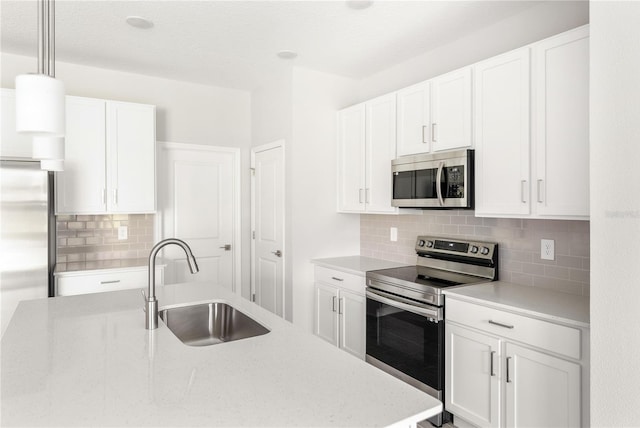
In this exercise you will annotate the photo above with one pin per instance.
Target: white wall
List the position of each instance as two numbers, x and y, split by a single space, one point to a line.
318 230
530 25
185 112
615 214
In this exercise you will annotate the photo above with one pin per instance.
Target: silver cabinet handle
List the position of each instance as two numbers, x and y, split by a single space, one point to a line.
433 132
115 196
360 195
111 282
337 279
491 364
366 195
508 372
277 253
226 247
334 303
438 180
540 191
341 306
522 184
500 324
104 196
424 134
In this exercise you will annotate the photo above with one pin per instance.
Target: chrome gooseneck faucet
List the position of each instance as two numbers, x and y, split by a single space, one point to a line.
151 309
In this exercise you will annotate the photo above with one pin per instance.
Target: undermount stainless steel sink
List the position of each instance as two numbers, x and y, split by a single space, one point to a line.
210 323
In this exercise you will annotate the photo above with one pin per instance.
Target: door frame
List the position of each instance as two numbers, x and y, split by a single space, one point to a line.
264 147
164 146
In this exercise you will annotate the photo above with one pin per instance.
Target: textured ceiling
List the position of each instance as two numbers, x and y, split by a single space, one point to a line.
234 43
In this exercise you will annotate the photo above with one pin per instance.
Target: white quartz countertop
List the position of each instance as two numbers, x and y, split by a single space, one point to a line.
357 265
539 302
88 361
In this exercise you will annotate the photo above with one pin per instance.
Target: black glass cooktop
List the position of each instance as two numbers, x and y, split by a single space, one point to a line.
421 275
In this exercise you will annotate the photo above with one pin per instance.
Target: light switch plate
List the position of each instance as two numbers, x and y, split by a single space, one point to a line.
123 232
547 249
393 234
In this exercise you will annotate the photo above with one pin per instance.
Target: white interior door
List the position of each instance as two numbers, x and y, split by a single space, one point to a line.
267 279
197 194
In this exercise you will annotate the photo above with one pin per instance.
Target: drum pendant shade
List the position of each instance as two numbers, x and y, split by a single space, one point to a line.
40 105
52 164
48 148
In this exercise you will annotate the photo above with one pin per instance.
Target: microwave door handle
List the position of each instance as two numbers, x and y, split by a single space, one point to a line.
438 181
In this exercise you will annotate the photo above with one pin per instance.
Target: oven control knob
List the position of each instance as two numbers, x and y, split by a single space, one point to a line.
421 243
473 249
429 244
484 251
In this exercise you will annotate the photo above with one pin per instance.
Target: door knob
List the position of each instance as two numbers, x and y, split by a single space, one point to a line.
226 247
278 253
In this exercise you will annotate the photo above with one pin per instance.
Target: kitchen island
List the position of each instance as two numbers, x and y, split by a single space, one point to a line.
87 360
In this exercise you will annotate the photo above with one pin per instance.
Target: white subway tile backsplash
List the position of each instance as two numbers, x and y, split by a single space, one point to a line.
518 239
95 237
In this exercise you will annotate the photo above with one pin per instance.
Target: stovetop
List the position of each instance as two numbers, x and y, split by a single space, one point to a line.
440 264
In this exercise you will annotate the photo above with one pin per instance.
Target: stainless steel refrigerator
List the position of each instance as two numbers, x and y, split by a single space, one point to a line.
27 249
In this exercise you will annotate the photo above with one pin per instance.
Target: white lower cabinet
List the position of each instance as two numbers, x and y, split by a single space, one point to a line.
340 310
496 380
98 281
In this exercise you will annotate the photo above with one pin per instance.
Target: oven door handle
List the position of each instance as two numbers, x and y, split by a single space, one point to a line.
434 314
438 182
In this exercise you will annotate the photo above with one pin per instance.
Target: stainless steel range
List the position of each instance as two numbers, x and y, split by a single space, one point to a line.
405 309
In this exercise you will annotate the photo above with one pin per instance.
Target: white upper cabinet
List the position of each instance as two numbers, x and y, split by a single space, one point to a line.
414 119
561 124
502 141
451 110
81 189
12 144
531 130
366 146
131 153
435 115
109 158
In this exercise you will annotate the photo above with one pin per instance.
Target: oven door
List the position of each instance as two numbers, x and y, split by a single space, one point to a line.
406 339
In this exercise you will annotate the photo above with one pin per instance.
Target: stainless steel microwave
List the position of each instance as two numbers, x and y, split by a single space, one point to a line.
435 180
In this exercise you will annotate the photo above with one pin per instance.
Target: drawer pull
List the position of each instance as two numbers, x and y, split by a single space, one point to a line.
500 324
110 282
337 279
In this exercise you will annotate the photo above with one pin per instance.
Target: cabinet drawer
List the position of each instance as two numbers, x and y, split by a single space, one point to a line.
86 283
541 334
340 279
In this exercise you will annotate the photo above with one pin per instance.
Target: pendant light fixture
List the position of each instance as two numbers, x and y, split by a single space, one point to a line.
40 101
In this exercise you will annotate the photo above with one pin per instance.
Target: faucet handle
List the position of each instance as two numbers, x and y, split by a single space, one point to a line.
144 299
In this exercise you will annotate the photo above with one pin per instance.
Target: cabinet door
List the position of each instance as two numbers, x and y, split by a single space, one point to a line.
326 316
451 110
501 111
413 120
81 187
12 144
541 390
472 385
562 124
380 151
131 157
352 310
351 153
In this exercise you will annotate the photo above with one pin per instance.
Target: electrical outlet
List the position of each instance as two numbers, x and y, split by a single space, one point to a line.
123 232
393 234
547 249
